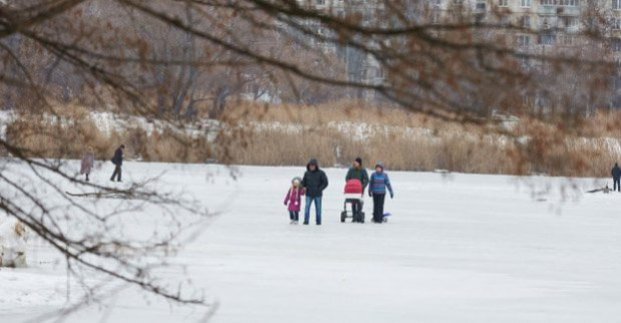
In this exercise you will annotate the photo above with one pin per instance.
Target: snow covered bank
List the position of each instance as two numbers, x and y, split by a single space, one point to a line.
459 248
13 243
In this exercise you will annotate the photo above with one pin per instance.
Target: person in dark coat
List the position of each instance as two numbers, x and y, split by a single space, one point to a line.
117 160
616 177
377 189
360 173
314 182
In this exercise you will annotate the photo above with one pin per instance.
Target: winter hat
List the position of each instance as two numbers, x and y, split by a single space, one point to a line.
359 161
380 165
313 161
296 180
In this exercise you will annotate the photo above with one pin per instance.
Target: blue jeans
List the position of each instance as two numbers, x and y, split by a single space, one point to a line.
317 201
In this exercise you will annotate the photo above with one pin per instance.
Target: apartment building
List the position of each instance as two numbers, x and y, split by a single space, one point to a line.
360 67
543 26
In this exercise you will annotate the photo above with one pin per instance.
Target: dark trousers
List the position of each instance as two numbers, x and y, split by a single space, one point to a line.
378 207
356 208
117 173
617 184
294 215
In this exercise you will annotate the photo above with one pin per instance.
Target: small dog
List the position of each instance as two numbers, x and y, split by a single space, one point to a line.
13 239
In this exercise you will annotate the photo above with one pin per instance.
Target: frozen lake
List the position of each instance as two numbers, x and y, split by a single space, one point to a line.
458 248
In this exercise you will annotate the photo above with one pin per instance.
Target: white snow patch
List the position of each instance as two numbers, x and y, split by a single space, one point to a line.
464 248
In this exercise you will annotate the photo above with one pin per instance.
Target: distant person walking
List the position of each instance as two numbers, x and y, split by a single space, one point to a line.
88 160
616 178
314 182
358 172
117 160
377 189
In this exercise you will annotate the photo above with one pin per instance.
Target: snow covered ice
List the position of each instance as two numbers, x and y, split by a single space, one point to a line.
462 248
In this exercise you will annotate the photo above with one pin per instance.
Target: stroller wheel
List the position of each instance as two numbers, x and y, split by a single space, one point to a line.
343 216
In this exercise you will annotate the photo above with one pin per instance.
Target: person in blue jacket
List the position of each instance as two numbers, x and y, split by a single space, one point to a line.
378 184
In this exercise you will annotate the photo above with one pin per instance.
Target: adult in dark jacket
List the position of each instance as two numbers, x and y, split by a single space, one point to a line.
360 173
117 160
616 178
314 182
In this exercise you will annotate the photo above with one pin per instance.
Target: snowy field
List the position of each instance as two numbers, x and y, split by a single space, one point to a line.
459 248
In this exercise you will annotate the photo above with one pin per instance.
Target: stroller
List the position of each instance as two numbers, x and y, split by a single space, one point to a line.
353 196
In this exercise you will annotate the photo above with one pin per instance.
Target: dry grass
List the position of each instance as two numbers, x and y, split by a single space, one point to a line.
584 149
290 135
69 136
587 149
274 147
341 111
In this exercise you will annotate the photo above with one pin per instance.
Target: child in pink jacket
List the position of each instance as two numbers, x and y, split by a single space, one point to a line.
294 200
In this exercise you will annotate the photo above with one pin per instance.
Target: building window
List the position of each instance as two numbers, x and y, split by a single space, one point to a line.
548 39
548 2
526 3
526 22
567 40
503 3
504 21
616 45
568 3
435 17
569 21
616 24
523 40
525 62
616 4
379 72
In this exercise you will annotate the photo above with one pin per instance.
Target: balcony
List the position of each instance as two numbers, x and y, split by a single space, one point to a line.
568 10
560 10
547 10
